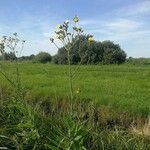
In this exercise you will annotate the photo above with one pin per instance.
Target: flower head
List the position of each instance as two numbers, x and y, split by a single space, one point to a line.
76 19
59 27
90 39
78 91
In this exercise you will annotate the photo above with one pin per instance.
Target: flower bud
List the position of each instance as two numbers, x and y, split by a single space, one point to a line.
76 19
59 27
90 39
52 40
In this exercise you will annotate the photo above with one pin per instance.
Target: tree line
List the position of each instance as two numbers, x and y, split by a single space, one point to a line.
106 52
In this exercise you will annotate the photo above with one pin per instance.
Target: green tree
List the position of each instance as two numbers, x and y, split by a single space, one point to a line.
43 57
113 54
96 52
10 56
2 47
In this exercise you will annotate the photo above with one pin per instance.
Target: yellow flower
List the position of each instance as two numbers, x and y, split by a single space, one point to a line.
78 91
90 39
76 19
58 27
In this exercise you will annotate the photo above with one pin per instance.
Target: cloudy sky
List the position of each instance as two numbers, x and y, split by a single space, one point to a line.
126 22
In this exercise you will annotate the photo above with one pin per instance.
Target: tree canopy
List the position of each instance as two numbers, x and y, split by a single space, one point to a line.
105 52
42 57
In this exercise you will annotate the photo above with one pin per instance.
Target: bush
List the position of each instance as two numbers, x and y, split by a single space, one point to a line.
114 56
43 57
97 52
138 61
8 56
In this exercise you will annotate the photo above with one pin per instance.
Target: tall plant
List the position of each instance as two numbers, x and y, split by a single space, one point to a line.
68 35
12 43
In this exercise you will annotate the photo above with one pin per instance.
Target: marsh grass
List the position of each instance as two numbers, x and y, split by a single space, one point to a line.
46 119
120 87
50 125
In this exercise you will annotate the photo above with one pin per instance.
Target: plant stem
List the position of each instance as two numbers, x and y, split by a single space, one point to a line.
70 75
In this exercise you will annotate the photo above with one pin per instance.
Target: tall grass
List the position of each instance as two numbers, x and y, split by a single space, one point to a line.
124 88
53 123
49 125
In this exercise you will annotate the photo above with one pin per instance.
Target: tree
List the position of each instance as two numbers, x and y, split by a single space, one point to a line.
113 54
43 57
27 58
68 38
10 56
105 52
2 47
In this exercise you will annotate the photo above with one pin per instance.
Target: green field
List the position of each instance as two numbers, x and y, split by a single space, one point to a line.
125 87
110 112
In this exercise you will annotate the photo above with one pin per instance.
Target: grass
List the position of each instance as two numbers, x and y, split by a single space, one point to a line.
123 87
112 100
50 126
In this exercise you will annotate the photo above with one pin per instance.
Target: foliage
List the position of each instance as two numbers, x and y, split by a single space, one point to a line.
68 36
113 54
57 124
42 57
12 42
8 56
123 87
37 126
105 52
27 58
138 61
2 47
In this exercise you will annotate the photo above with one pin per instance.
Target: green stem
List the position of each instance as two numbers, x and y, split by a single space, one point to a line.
70 75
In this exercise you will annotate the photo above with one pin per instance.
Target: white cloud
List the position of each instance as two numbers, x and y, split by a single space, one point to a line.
116 26
133 35
122 25
140 8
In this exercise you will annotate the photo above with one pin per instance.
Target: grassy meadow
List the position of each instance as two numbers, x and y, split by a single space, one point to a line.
125 87
109 112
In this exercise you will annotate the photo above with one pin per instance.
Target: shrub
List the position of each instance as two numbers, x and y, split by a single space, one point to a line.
97 52
114 56
43 57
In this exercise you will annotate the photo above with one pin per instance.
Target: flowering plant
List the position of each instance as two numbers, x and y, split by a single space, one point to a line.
68 38
11 42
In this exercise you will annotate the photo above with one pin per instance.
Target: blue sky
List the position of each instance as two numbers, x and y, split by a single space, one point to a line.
126 22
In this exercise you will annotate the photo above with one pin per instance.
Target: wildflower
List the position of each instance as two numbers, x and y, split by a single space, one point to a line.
76 19
59 27
90 39
78 91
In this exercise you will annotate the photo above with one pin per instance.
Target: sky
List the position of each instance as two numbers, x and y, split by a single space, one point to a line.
126 22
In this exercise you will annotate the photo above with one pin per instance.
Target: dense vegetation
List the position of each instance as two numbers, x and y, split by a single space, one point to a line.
42 57
124 86
73 107
138 61
82 52
105 114
105 52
